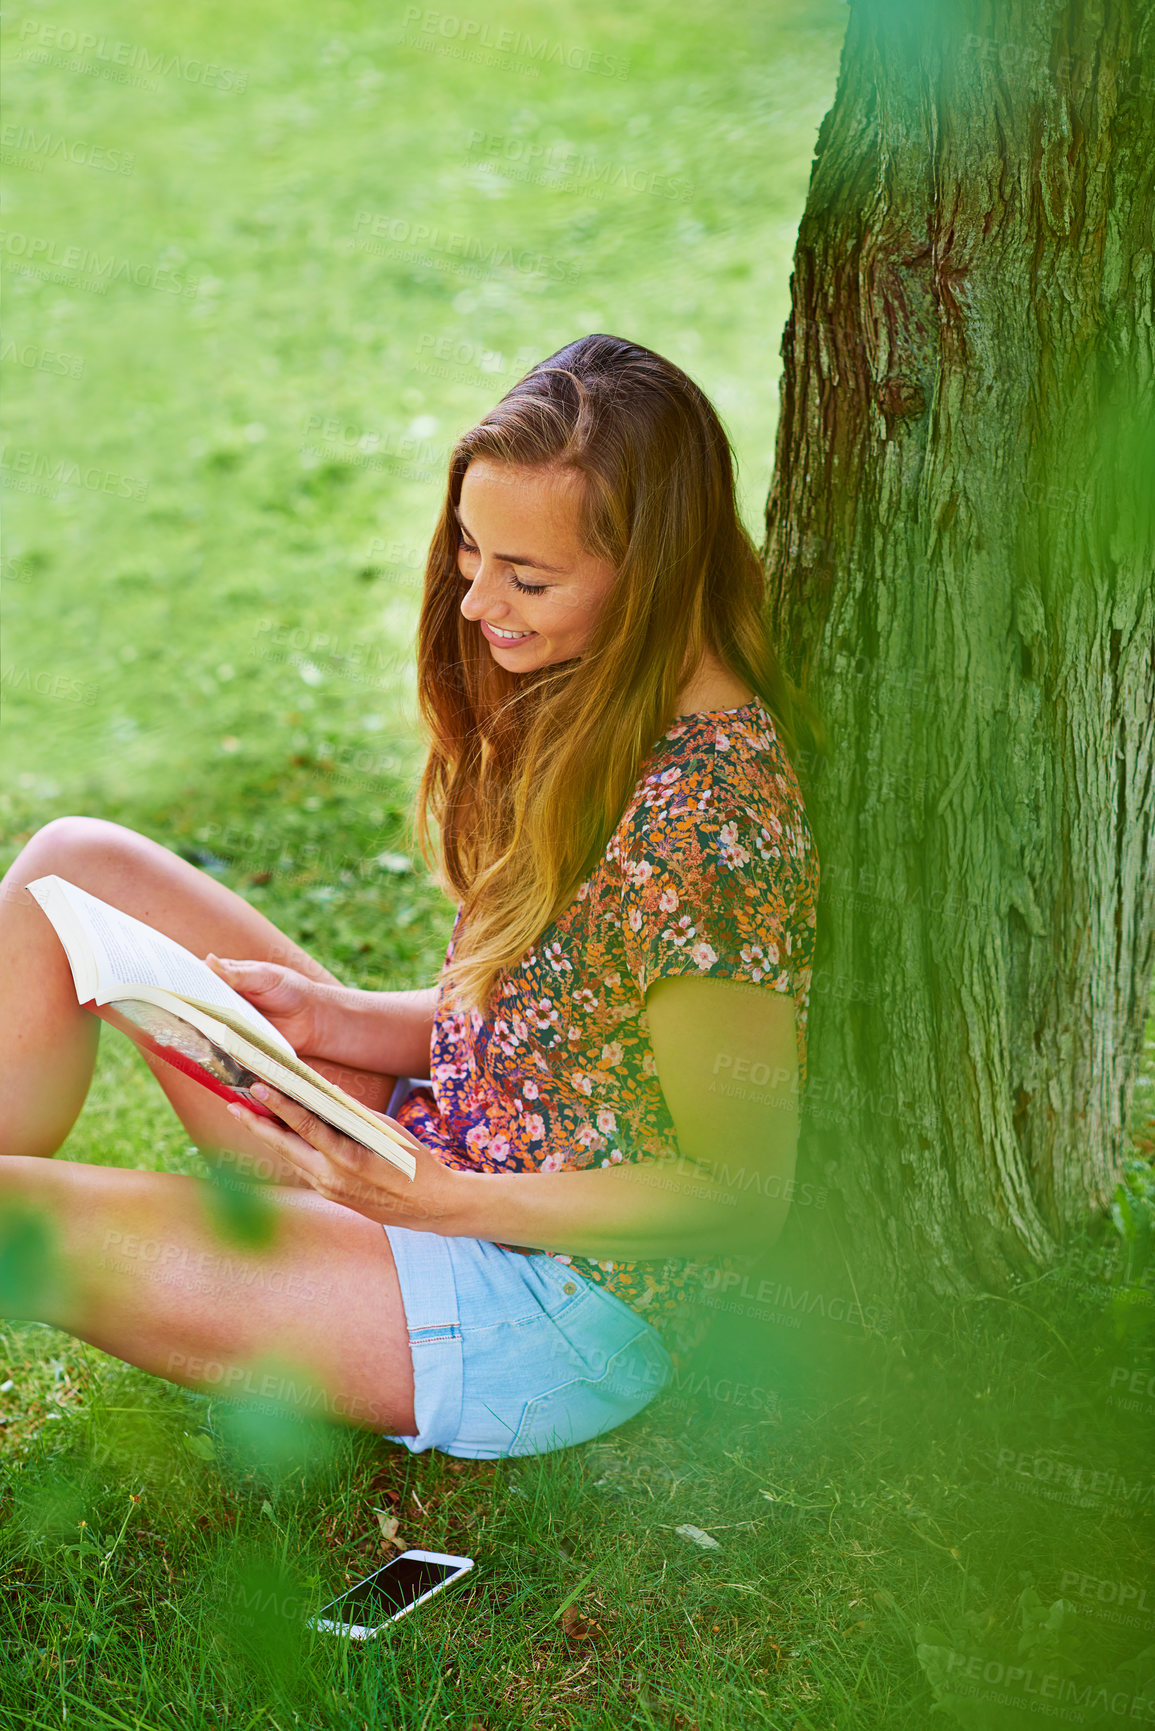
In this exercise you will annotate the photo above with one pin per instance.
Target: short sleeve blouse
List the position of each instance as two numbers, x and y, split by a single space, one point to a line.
712 871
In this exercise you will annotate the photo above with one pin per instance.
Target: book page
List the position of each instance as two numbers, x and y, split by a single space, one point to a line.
129 953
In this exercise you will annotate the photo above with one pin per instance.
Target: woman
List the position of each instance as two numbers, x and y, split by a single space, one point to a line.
617 1039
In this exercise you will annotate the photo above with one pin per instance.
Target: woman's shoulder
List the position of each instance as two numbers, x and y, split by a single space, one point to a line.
713 762
713 868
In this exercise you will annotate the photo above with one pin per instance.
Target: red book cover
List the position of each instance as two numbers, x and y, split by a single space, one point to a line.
225 1076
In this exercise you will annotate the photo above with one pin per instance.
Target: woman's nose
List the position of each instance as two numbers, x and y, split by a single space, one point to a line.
479 597
470 606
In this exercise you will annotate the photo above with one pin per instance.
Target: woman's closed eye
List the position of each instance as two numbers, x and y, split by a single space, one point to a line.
524 588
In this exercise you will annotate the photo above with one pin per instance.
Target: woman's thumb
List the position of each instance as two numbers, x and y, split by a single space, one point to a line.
246 976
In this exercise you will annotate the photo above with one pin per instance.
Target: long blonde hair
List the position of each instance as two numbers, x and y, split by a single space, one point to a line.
528 773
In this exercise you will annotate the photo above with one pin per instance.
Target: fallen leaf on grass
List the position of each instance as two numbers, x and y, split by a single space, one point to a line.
698 1537
389 1525
577 1627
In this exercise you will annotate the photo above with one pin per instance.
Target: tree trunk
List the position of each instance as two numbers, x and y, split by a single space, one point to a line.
960 558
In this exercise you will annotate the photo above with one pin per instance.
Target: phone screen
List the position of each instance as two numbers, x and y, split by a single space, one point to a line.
398 1584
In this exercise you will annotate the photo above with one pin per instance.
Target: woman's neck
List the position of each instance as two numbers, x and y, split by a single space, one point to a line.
713 686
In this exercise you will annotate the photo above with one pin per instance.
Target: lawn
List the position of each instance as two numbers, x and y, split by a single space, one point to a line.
261 267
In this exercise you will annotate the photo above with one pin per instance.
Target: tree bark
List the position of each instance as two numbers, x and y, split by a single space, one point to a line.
959 547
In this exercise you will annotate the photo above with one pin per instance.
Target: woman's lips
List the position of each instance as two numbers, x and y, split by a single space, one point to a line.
491 636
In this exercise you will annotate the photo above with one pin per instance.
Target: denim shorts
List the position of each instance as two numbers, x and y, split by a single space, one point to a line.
516 1355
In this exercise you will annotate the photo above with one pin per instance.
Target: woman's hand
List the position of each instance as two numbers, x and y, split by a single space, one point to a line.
292 1002
345 1171
381 1033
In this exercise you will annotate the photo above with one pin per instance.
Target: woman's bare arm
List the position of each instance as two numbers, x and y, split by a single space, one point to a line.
727 1059
377 1030
727 1190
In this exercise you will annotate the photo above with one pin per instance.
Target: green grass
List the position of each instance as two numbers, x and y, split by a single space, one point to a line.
888 1496
224 662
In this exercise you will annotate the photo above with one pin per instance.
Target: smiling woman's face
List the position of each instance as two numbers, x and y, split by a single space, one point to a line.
528 574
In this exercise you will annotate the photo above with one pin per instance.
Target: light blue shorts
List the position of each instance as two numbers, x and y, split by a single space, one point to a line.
516 1355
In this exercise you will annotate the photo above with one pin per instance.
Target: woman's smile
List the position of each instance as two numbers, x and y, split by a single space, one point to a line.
497 634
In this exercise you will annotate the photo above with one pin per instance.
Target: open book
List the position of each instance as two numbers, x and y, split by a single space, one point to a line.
174 1006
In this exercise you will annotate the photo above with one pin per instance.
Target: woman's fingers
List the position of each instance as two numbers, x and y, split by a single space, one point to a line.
308 1160
305 1124
332 1162
259 979
345 1171
287 998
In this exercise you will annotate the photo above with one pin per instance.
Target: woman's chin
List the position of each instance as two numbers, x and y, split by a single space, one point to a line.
519 657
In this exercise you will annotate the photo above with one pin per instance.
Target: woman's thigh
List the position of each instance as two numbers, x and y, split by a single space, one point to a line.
145 1272
155 885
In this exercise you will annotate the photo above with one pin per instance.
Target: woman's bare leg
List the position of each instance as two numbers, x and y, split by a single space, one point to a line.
144 1274
314 1318
48 1043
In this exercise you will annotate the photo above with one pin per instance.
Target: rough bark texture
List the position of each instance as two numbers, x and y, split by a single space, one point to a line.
959 546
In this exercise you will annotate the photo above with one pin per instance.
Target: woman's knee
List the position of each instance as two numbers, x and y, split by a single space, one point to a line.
67 845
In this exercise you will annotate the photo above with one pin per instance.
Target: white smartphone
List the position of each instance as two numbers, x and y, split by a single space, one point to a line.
392 1592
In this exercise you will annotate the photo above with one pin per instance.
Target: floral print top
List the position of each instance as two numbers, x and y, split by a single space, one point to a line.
711 871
